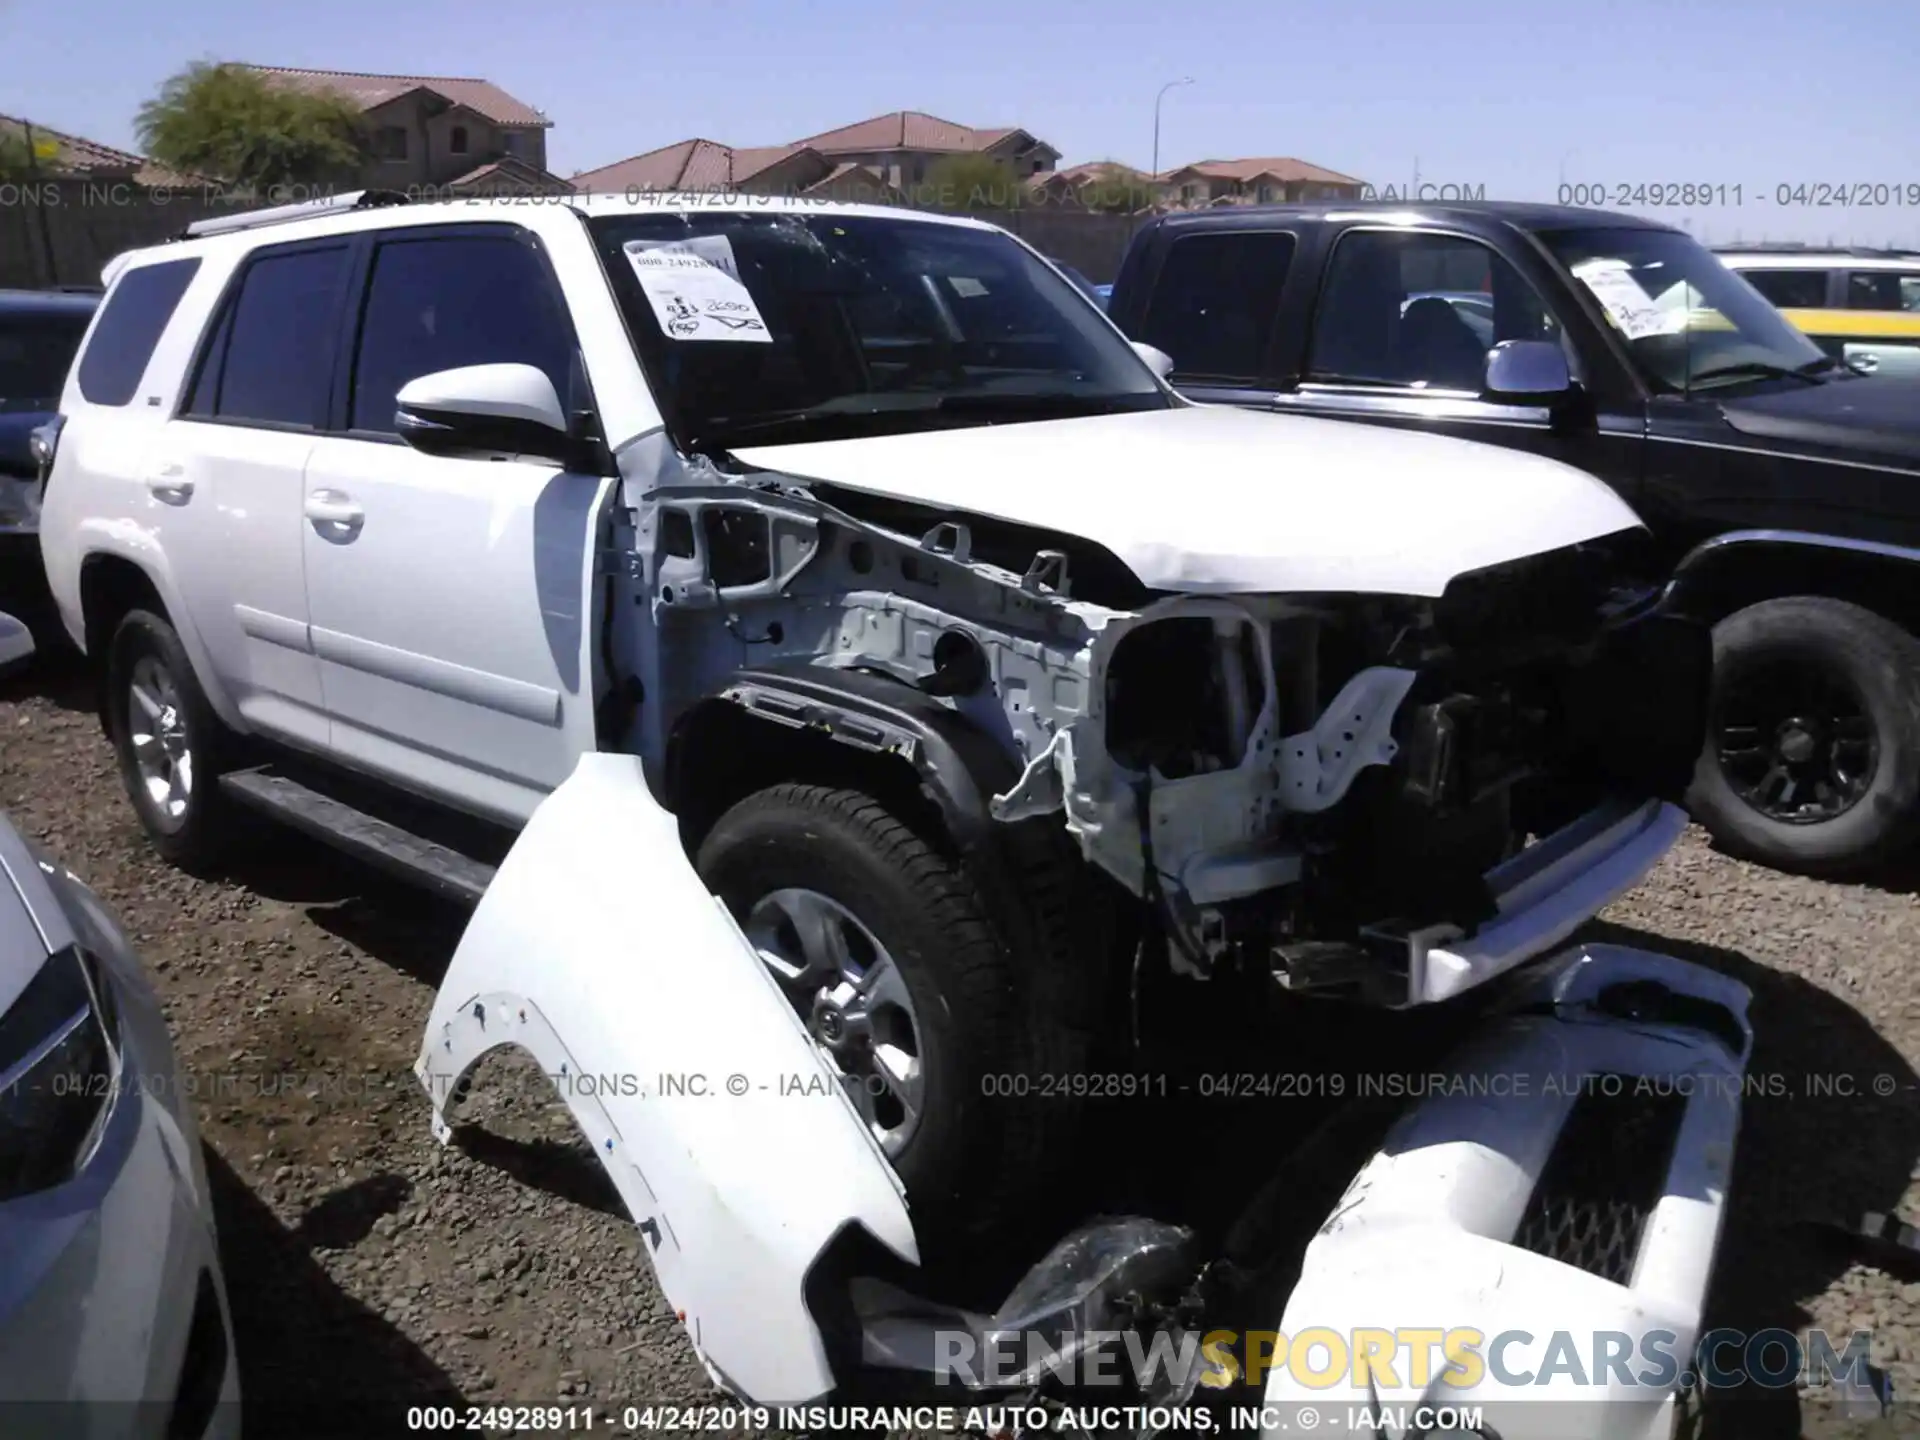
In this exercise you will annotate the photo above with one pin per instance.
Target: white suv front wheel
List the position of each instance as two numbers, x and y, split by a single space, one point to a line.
167 740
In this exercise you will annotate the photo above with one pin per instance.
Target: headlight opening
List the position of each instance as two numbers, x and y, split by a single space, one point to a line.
59 1074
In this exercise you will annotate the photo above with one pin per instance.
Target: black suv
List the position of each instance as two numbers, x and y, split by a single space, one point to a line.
1782 488
39 332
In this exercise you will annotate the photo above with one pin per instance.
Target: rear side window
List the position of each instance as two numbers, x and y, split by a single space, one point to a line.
1790 289
442 302
1883 290
272 352
135 316
1215 302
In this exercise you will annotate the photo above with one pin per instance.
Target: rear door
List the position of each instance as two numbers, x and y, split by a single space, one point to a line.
1879 331
1399 335
449 595
235 456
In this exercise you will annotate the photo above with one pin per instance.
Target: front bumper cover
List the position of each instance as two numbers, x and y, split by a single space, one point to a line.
1552 1209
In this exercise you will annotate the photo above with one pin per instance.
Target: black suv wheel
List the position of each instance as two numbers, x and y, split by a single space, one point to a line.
1812 762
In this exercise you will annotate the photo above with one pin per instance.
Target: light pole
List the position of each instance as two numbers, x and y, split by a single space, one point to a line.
1171 84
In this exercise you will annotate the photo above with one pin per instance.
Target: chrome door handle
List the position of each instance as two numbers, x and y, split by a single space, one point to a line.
170 484
330 507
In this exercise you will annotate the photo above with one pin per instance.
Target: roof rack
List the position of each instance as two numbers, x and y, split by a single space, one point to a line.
305 210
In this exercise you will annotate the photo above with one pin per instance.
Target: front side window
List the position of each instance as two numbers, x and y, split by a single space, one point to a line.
1688 322
136 314
1883 290
1215 301
36 349
1420 311
279 340
1790 289
809 324
445 302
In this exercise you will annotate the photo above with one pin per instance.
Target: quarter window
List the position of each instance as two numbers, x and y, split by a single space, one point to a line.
1790 289
280 339
1215 301
1420 311
136 314
444 302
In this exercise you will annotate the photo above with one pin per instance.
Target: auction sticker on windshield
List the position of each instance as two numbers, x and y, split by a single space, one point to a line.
695 289
1626 304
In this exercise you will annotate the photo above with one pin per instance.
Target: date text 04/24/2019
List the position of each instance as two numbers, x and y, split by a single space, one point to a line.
1701 194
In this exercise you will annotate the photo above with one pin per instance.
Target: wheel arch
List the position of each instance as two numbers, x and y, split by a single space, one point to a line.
110 585
1729 572
872 732
776 723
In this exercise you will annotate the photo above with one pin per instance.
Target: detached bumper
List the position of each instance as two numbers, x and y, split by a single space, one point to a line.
1548 1218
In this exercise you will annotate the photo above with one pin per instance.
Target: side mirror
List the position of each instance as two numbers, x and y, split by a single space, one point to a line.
1528 370
16 644
484 409
1158 361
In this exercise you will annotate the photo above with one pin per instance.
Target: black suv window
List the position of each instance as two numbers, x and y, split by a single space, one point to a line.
1215 301
1420 310
36 349
1790 289
441 302
273 348
136 314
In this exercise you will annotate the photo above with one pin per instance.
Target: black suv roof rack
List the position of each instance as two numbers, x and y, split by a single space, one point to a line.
305 210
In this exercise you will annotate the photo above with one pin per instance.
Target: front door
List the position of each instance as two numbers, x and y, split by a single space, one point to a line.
1400 337
449 597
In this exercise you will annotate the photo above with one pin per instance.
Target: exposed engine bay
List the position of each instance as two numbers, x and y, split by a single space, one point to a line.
1335 788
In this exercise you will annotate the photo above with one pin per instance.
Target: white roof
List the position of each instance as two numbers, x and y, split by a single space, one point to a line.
1815 260
342 220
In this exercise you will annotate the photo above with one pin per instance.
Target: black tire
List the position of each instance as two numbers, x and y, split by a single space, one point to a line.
1776 644
978 1155
198 833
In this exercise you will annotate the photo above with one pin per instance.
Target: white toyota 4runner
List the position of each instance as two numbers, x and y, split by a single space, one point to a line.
848 565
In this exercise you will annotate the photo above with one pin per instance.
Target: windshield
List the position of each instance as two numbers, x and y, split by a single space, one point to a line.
1688 321
817 325
35 350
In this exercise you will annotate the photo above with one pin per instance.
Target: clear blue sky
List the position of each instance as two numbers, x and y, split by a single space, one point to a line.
1497 93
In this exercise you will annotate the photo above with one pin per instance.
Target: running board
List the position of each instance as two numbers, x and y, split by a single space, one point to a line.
367 837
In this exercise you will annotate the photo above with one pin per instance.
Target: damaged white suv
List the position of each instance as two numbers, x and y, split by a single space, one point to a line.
1007 701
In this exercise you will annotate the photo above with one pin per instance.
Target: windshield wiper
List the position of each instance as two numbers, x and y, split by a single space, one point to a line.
886 405
1759 370
1028 402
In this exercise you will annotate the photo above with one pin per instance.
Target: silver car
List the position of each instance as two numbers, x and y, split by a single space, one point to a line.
113 1312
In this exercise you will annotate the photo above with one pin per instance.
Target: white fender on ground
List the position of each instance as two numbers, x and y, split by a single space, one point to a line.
598 950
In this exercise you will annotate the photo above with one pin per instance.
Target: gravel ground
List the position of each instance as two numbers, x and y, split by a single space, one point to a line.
367 1265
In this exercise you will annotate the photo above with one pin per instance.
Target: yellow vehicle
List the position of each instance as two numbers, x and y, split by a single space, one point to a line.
1861 306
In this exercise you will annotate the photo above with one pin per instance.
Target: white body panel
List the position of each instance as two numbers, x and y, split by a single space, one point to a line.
235 528
1422 1237
597 950
1219 499
1554 900
450 617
